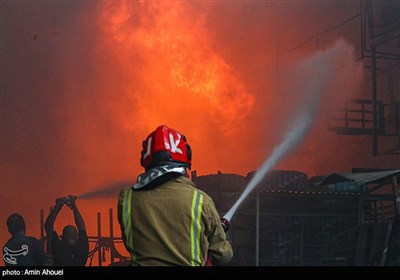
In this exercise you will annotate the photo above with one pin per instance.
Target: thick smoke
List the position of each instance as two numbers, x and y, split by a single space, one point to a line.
84 82
310 80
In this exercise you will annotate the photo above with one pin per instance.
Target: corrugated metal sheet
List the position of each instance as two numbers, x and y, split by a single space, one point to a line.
282 179
358 178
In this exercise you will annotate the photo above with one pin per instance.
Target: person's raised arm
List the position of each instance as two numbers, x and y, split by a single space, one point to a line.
80 224
49 224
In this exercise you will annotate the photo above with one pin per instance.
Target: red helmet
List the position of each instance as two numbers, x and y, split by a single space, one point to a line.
165 146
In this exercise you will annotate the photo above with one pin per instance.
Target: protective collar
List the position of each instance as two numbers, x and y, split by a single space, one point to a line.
146 178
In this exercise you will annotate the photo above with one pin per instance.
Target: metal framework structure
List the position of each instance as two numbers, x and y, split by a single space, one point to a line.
286 227
321 228
285 222
380 43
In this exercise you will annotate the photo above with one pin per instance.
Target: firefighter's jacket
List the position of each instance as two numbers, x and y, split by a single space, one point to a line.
172 224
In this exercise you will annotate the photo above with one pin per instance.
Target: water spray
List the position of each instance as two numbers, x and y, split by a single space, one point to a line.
313 75
293 137
108 191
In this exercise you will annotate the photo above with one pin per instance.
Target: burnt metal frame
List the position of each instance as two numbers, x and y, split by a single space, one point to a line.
373 214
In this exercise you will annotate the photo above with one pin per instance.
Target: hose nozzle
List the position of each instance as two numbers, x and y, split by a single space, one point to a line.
225 224
66 200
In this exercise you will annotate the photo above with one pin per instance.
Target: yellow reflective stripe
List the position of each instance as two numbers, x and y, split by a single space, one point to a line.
126 218
195 228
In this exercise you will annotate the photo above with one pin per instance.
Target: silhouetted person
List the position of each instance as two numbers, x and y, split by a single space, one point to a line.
72 248
22 250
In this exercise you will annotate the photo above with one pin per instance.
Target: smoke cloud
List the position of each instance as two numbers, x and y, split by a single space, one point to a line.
310 79
84 82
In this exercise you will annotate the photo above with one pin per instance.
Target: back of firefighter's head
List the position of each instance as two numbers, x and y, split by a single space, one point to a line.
70 235
165 146
16 224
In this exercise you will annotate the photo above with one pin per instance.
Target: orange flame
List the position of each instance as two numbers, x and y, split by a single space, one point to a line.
168 52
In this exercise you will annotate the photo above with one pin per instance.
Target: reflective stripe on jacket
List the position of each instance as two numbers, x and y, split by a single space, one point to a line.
172 224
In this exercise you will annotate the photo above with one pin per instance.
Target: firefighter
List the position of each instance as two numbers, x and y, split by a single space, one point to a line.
72 248
165 220
22 250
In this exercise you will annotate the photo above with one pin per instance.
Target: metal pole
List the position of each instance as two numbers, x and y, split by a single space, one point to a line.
257 228
49 251
397 119
396 193
362 17
374 103
41 224
111 234
99 237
